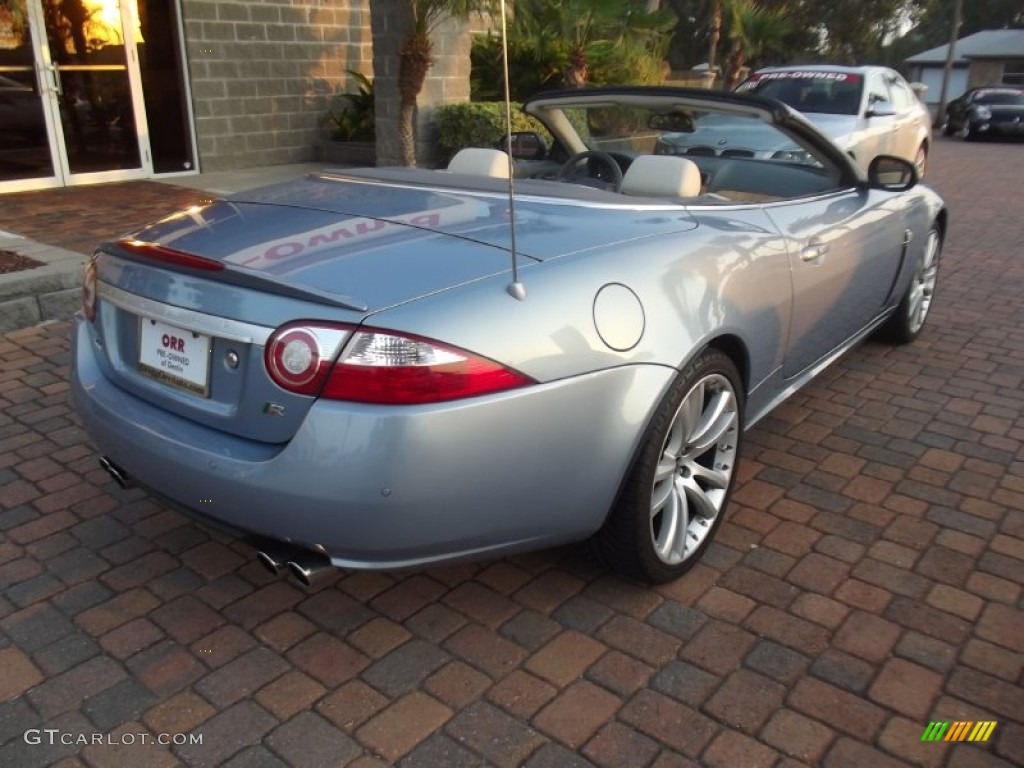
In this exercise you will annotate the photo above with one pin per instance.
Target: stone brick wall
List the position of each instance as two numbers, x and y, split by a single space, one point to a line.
263 74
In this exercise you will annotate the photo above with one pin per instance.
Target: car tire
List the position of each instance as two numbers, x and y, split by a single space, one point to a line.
947 128
966 131
675 497
909 318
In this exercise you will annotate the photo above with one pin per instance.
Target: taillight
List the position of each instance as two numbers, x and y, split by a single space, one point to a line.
399 369
379 366
89 290
298 356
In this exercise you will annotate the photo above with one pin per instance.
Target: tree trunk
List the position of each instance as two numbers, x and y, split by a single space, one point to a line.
940 115
413 62
577 74
716 34
737 61
407 131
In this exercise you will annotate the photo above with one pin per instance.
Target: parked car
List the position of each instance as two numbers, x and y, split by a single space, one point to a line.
986 112
868 111
378 367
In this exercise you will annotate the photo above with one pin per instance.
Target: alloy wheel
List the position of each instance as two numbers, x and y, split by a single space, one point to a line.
923 286
693 474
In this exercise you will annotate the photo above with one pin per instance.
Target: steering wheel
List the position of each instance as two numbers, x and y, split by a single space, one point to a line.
576 171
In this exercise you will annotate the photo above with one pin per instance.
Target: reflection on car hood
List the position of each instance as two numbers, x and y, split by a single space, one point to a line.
382 243
836 127
735 134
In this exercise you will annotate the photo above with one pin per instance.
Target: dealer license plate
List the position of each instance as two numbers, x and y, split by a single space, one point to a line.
175 356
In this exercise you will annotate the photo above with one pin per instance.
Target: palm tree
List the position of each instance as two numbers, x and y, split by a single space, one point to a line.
579 34
753 29
415 57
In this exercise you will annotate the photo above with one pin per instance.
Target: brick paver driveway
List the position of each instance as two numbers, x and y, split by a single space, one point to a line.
868 581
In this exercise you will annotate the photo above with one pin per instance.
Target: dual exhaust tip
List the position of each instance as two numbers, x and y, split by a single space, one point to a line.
306 566
276 556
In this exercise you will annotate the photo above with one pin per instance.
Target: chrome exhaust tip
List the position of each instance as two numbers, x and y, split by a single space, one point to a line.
116 473
308 566
272 561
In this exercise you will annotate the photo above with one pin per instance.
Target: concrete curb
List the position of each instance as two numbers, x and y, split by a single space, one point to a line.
49 292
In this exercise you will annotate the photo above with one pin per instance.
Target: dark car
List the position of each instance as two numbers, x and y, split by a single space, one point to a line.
986 112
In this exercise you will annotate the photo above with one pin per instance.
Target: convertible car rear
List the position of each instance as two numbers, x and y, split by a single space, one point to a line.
378 368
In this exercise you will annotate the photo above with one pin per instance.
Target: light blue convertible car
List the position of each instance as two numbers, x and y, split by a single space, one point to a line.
391 367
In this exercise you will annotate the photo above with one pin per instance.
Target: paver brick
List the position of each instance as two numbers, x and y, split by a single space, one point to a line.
521 694
906 687
20 674
565 658
798 736
352 704
457 684
577 713
1002 625
675 725
620 674
732 749
498 737
618 746
639 639
837 708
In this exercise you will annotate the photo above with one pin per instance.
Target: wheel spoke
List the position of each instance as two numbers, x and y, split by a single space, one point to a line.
717 478
916 303
690 412
661 495
703 506
718 419
671 538
665 469
676 439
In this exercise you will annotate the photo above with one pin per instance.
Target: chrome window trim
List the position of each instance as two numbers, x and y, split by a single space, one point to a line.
188 319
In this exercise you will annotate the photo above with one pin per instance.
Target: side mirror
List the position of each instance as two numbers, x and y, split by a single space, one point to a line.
526 145
893 174
881 109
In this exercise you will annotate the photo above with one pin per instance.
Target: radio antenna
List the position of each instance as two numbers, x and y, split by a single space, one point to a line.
515 289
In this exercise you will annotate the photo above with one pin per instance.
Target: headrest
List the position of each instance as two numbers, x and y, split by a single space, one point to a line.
480 162
662 176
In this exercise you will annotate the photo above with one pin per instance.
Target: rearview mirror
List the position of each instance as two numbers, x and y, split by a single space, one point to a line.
526 145
893 174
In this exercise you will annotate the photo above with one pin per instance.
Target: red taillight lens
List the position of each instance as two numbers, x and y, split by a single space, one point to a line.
89 290
298 356
398 369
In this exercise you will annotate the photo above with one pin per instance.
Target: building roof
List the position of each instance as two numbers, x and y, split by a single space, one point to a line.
990 44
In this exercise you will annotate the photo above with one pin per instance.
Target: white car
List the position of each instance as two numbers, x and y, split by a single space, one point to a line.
868 111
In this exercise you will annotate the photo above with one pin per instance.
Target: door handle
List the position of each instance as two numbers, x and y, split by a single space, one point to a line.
55 84
814 252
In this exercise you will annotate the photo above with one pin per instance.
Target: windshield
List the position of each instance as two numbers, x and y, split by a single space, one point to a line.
1000 97
830 93
628 130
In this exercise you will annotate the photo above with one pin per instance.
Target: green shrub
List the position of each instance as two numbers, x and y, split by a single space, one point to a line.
478 124
355 120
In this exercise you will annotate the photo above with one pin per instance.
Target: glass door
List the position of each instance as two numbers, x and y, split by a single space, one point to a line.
25 141
87 87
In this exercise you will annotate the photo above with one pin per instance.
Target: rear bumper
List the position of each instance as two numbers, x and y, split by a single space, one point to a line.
383 487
